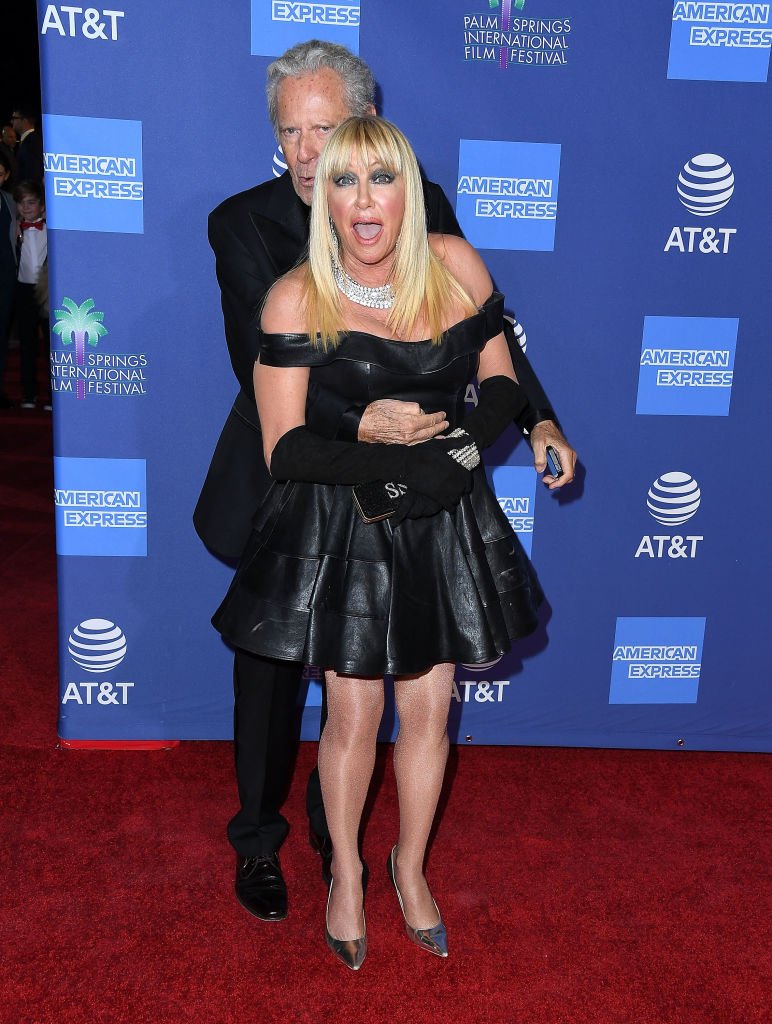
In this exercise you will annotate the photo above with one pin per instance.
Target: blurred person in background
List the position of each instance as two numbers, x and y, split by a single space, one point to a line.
33 253
8 268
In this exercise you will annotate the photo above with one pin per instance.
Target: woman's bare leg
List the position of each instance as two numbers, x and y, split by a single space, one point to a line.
346 759
420 756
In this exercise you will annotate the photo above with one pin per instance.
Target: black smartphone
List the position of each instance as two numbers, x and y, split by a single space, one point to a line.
553 462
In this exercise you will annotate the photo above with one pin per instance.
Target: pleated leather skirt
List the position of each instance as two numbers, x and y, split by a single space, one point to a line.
318 585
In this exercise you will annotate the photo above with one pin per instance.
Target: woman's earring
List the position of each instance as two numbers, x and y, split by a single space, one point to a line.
334 251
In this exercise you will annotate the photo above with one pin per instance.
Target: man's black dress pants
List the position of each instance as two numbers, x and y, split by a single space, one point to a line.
265 731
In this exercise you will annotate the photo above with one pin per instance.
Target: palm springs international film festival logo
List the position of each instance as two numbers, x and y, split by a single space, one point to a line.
507 193
80 367
97 646
495 36
656 660
705 185
673 499
686 365
93 174
279 24
727 42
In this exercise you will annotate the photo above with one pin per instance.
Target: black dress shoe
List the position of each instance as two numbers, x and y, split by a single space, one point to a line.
323 846
260 887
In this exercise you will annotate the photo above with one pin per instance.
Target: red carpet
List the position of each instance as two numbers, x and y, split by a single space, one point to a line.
606 887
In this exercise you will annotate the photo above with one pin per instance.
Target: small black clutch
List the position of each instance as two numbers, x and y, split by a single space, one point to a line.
377 500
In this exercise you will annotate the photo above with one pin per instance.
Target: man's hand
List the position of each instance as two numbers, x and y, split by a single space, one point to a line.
389 421
548 432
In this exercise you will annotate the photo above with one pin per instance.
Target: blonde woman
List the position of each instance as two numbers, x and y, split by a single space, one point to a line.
376 559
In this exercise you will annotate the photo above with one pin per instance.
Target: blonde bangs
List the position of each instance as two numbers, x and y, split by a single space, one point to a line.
364 139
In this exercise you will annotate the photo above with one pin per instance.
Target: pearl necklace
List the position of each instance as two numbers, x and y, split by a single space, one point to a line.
379 297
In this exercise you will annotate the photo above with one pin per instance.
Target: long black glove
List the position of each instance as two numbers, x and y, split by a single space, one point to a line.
502 400
413 505
427 468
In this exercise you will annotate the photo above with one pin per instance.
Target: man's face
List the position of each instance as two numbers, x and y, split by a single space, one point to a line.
309 108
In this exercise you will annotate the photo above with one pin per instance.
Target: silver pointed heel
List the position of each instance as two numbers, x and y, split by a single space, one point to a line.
351 952
433 940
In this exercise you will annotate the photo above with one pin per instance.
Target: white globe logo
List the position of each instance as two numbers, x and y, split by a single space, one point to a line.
705 185
278 164
97 645
519 330
673 498
485 665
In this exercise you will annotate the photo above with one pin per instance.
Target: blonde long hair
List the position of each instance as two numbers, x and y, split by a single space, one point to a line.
422 285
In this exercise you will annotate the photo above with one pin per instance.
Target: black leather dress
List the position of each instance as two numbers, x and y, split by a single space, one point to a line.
316 584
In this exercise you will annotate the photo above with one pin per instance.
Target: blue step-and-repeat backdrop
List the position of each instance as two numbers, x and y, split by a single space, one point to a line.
611 161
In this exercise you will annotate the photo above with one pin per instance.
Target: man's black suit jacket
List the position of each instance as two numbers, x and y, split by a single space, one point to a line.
29 158
257 236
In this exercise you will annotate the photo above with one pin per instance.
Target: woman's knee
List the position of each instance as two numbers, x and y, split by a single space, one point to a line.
423 709
354 707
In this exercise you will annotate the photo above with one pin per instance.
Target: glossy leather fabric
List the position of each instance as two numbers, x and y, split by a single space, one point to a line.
316 584
364 367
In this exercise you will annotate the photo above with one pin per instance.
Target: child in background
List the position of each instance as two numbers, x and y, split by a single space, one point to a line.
33 239
8 232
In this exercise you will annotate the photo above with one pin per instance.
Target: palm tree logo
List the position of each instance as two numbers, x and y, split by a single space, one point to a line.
508 4
81 325
506 21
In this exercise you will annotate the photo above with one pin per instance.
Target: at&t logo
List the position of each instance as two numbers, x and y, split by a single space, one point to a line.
519 331
278 164
97 646
88 22
483 666
672 500
705 186
479 691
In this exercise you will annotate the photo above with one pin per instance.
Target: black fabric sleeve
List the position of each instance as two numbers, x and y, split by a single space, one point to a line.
244 278
538 406
439 213
300 454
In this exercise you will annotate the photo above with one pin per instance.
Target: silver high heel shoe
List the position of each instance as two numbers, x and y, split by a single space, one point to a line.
351 952
433 940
